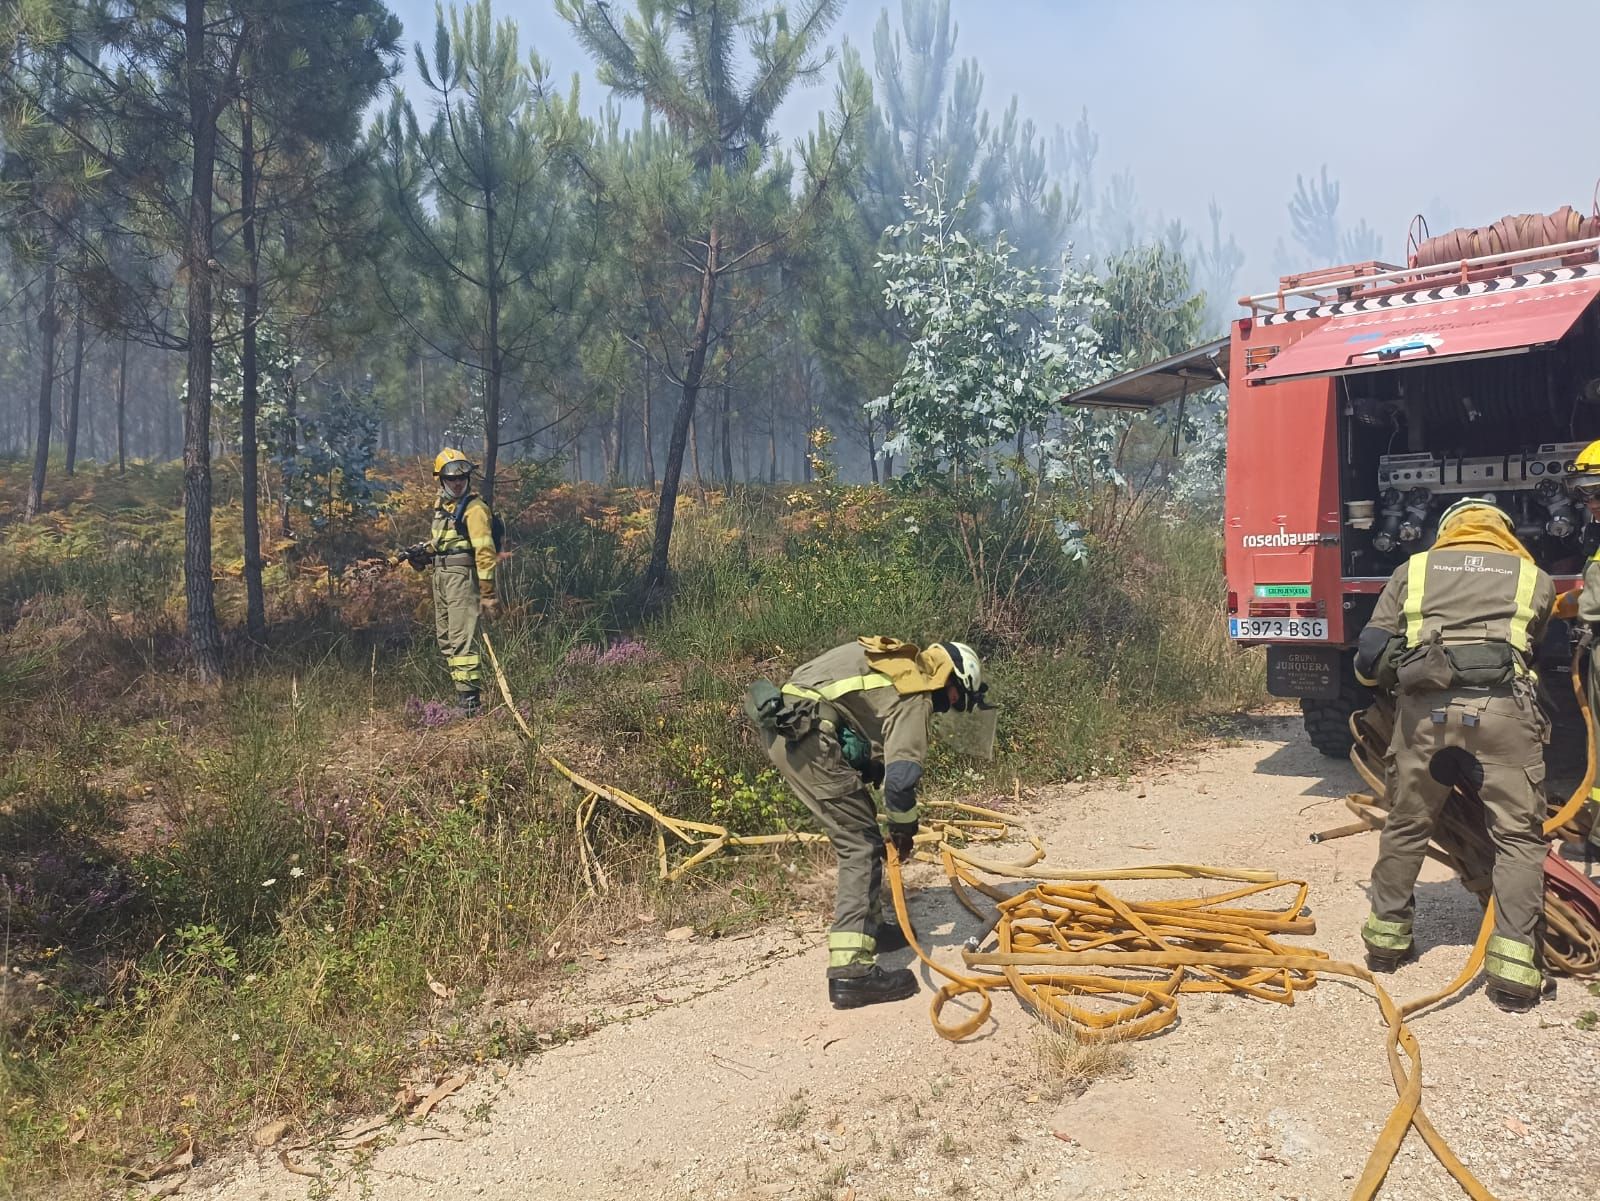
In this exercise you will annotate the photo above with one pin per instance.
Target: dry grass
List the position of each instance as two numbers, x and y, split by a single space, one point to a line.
1068 1064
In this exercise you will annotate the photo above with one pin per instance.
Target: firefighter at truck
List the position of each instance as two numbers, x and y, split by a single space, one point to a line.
854 717
1584 603
463 552
1453 637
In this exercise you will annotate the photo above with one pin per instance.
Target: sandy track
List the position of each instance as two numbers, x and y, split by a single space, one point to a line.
735 1080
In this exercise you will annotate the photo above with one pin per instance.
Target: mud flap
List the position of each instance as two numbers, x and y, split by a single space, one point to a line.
1304 671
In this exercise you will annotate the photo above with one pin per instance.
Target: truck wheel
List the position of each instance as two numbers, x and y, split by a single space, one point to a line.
1327 722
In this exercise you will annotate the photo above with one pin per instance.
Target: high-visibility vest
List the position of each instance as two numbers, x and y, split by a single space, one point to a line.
1425 613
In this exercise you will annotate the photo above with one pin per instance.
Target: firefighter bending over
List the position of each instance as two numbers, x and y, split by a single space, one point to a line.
856 716
1453 635
462 553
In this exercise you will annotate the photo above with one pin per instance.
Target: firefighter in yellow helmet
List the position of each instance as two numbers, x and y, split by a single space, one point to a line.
463 559
1453 635
856 716
1584 604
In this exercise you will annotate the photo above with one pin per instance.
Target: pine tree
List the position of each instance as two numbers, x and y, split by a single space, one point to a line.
718 202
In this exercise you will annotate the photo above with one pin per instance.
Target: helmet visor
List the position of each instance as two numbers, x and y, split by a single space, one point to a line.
455 469
971 732
1585 487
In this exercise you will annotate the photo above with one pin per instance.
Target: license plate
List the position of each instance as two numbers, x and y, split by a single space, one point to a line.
1278 628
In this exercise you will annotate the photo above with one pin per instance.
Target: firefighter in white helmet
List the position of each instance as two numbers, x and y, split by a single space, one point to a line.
856 716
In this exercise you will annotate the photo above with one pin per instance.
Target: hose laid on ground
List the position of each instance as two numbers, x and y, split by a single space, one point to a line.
1050 939
1081 957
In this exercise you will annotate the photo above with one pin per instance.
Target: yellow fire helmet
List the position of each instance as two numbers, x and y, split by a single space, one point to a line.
1469 504
1586 467
450 455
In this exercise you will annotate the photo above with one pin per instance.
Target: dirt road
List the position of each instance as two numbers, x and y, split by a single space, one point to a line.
754 1088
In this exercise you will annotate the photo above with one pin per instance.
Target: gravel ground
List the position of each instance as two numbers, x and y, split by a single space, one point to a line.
728 1077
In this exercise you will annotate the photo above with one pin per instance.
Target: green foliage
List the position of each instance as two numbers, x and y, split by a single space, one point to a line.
983 366
271 875
1150 309
497 223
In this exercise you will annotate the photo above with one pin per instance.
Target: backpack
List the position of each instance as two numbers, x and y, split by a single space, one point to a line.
497 527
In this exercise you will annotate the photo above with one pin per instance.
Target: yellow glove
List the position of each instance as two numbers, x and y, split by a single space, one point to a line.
1567 605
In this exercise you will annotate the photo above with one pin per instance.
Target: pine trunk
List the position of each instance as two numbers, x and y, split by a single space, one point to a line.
75 394
492 368
48 322
727 432
205 641
647 433
122 410
250 398
656 574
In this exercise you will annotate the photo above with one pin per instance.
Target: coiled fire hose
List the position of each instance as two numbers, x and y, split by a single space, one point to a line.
1520 231
1087 961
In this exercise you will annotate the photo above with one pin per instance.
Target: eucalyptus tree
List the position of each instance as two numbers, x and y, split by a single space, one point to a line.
716 200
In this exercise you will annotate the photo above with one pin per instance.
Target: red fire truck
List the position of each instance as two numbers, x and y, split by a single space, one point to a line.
1362 401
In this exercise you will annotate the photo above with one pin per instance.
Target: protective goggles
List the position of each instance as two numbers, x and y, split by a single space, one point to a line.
1586 488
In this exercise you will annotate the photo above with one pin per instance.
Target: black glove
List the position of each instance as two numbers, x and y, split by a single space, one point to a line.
902 836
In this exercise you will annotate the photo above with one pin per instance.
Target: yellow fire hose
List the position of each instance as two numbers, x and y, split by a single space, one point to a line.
1086 960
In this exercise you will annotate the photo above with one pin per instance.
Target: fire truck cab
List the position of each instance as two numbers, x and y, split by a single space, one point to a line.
1362 401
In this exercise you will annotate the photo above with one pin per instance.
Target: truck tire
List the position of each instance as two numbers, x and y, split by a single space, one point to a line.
1327 722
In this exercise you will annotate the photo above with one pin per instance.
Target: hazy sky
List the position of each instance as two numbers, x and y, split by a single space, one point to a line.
1468 109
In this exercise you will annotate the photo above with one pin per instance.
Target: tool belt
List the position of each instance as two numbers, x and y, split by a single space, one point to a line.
455 559
1437 667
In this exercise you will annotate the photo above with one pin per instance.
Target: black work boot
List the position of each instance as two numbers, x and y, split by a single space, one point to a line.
1512 998
469 704
871 987
1385 961
1516 998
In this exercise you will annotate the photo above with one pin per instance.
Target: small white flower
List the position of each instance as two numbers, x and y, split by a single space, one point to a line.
251 978
269 882
234 1037
328 929
296 872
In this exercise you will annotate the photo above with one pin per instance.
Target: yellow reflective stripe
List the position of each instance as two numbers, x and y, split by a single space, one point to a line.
1386 935
1510 948
833 691
904 817
1527 580
846 947
850 938
1594 794
1510 960
1416 585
